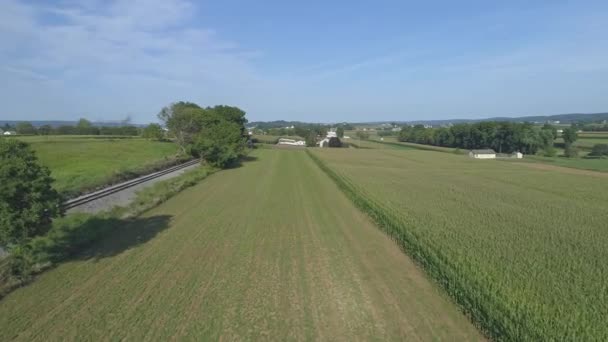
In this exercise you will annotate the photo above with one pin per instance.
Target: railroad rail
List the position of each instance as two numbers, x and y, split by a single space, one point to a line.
78 201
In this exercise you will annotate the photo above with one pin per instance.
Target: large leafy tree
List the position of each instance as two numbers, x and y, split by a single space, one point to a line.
27 200
220 144
232 114
569 135
184 122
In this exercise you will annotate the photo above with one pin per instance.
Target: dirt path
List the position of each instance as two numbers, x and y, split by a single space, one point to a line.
269 251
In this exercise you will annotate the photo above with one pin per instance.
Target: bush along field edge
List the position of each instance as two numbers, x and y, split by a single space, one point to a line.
73 233
495 317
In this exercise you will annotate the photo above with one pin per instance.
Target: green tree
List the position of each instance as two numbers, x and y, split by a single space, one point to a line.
25 128
27 200
599 150
232 114
153 131
552 129
340 132
569 135
85 127
184 120
45 130
311 139
570 151
220 144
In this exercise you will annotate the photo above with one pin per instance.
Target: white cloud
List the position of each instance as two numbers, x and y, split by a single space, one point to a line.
122 44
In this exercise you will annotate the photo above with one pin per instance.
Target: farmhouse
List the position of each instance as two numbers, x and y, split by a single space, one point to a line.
517 155
9 133
482 154
330 135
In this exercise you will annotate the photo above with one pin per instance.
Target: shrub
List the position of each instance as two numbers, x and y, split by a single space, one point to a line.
549 151
153 131
599 150
27 200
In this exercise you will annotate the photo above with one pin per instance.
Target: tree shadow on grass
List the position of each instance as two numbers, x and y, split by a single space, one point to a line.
78 237
241 161
103 237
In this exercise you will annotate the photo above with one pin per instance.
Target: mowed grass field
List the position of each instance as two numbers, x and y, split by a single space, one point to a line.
85 162
271 250
522 245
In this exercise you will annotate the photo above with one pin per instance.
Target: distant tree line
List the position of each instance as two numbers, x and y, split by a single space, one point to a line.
592 128
83 127
503 137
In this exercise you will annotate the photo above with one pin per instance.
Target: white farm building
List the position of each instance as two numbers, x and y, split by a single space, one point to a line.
284 141
482 154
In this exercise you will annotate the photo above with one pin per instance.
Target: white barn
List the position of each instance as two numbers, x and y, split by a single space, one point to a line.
482 154
292 142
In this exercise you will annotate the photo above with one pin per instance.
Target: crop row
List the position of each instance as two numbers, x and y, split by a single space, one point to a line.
496 311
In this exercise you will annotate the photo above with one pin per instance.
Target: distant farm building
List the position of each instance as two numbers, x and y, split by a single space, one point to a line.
517 155
482 154
9 133
292 142
331 140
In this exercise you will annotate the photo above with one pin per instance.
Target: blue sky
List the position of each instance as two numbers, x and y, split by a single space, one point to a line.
323 61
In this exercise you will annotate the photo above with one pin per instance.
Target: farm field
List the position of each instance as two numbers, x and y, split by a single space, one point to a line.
593 164
586 140
599 164
522 248
373 144
80 163
270 250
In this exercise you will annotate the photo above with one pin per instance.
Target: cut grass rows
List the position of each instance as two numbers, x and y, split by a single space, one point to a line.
268 251
519 248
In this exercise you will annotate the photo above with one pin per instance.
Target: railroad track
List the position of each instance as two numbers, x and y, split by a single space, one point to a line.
78 201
